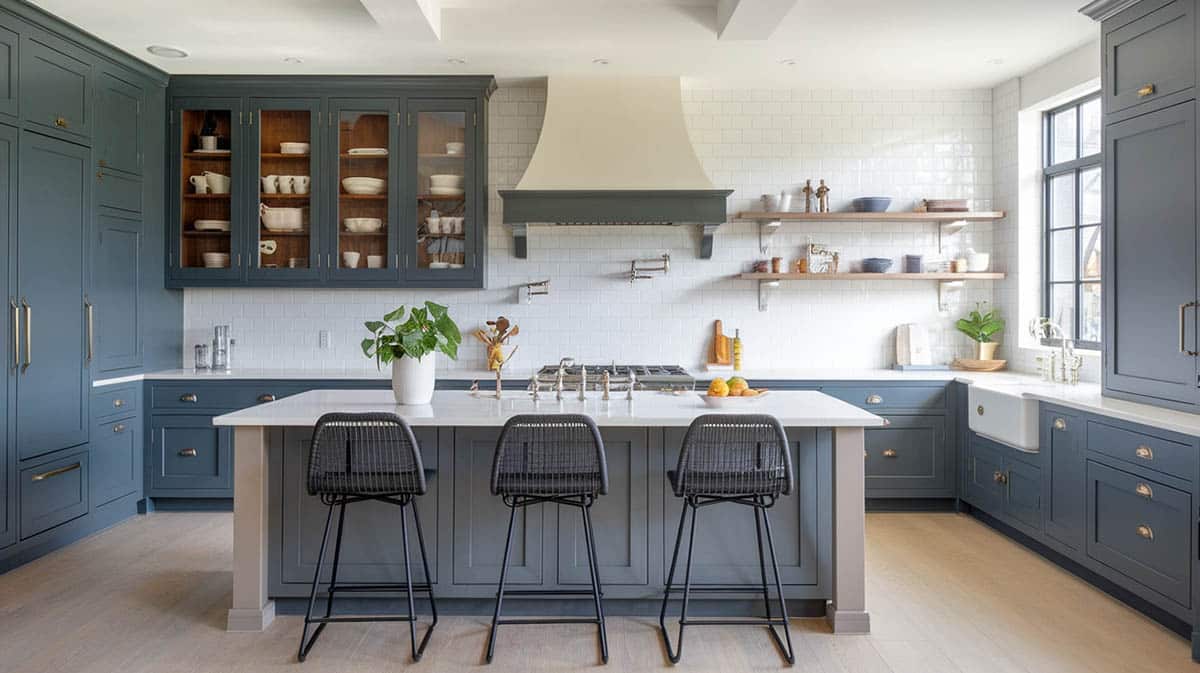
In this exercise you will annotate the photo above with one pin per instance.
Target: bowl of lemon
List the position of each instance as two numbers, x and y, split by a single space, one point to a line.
734 392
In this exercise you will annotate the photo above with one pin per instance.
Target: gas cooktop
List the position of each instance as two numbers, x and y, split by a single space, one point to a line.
648 376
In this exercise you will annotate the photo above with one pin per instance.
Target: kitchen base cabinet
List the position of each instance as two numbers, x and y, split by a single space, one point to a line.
53 492
116 460
189 457
1062 434
1005 483
909 457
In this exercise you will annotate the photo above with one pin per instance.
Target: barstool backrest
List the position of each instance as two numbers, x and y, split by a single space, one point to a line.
550 454
734 454
364 454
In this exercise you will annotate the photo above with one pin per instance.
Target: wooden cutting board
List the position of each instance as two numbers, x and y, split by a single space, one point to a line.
720 346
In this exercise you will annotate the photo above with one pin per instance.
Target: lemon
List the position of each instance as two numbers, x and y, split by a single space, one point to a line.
718 388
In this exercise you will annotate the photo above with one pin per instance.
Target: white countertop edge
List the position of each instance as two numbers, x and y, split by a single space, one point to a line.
100 383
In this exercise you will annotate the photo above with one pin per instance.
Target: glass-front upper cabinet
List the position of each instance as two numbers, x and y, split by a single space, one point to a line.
444 193
205 152
367 245
286 215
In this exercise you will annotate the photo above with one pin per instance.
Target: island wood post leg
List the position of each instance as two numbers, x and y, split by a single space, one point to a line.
847 613
252 610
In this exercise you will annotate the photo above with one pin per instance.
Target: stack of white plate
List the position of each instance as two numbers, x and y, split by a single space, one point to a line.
446 185
211 225
368 151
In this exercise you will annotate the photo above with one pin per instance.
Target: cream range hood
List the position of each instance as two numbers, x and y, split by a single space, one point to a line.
614 150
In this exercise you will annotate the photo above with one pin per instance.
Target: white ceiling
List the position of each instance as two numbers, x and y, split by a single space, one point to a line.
838 44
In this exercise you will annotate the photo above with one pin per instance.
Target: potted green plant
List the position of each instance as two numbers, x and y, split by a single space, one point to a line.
410 345
981 326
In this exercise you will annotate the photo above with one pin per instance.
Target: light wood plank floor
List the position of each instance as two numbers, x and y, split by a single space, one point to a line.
946 594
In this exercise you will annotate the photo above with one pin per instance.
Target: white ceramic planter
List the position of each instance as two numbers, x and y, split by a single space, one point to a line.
412 379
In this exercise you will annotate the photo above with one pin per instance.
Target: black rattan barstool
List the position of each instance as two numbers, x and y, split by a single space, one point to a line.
552 458
357 458
740 459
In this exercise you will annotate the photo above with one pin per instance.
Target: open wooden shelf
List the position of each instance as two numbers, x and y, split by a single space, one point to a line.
347 155
205 234
281 155
363 197
970 216
267 233
872 276
443 155
221 156
364 234
206 197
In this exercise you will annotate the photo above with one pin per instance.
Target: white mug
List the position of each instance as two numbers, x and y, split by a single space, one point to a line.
458 225
217 183
270 184
300 184
208 142
350 259
374 261
200 183
434 224
285 184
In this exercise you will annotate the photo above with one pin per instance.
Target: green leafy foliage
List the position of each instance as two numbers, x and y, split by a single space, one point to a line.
425 330
979 325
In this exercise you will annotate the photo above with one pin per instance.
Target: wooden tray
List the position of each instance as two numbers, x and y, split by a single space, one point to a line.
980 365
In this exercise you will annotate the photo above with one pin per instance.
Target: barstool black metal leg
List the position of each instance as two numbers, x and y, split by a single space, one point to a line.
787 630
337 559
408 586
305 643
662 613
677 652
762 560
428 579
491 648
594 571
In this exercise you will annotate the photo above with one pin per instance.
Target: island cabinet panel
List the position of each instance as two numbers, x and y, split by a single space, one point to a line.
372 546
1062 446
480 519
622 517
726 547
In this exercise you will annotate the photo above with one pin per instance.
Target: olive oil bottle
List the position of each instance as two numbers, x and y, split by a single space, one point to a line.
737 350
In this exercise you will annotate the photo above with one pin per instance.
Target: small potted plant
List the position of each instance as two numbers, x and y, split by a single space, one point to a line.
981 326
410 346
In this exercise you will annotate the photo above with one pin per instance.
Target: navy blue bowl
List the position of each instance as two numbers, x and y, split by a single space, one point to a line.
876 265
871 204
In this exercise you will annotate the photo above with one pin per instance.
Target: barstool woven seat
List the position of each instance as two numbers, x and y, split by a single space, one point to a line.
742 459
550 458
363 457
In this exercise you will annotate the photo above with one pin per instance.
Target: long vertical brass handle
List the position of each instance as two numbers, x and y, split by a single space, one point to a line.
16 333
87 307
28 334
1183 329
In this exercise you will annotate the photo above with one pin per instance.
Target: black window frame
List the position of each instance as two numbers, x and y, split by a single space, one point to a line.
1075 167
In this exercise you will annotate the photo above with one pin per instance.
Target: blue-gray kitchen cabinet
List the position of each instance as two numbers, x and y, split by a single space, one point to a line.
56 86
1061 439
1004 483
53 492
8 216
115 295
51 257
908 457
1150 248
10 73
120 104
1149 55
115 463
189 457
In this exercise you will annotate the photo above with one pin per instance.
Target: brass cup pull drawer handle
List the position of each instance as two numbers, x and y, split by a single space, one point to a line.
979 410
1144 452
119 427
268 397
188 397
874 399
43 476
188 453
889 453
118 403
1145 91
61 122
1145 531
1145 491
1060 424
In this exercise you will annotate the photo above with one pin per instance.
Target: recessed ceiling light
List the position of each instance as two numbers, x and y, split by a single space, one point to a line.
454 60
600 61
166 52
787 61
995 61
293 59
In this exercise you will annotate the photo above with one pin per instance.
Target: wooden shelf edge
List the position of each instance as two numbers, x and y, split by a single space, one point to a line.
872 276
970 216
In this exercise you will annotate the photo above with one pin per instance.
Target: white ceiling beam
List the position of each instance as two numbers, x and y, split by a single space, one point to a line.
750 19
410 18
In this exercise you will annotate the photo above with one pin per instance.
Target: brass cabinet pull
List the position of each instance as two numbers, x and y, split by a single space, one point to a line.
1145 531
874 399
999 477
1060 424
1183 328
266 397
119 427
1144 452
42 476
28 334
188 452
889 453
16 333
118 403
61 122
1145 91
188 397
1144 490
90 311
887 422
979 410
102 163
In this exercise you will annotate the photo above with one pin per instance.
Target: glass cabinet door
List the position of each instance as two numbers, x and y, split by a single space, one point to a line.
205 158
445 191
366 241
285 240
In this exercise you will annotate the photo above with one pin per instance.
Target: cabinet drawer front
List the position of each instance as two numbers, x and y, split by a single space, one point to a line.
115 469
118 191
53 493
186 397
55 89
115 400
190 454
908 453
1151 57
888 397
1170 457
1140 528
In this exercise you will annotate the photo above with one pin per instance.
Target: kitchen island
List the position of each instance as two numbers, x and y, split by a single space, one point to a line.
277 526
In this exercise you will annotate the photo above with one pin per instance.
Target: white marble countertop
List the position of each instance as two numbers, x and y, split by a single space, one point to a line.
464 409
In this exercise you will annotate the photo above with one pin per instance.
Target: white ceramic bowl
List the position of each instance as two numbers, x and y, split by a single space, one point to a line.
282 219
216 260
731 402
293 148
446 191
454 181
455 148
211 225
363 185
362 225
978 262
